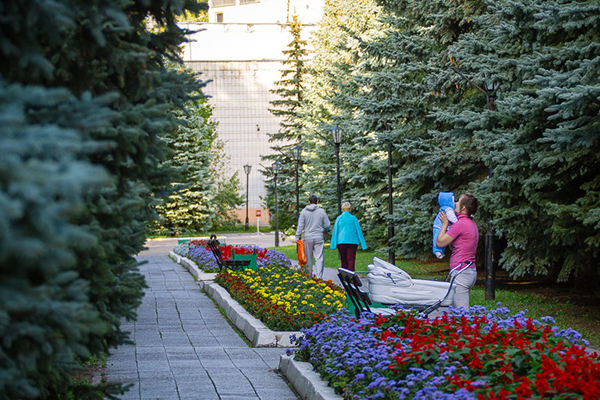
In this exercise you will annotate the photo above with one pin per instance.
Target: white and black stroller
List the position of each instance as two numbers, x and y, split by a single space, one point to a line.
389 284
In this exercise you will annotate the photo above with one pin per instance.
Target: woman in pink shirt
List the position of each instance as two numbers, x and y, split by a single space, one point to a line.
464 236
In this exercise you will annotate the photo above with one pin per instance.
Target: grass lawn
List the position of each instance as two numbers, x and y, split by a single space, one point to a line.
580 318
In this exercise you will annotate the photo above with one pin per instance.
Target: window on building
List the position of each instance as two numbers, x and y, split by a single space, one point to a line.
223 3
219 16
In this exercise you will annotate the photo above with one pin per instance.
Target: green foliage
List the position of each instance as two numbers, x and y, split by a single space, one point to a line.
411 76
46 316
290 90
195 16
542 143
201 197
68 245
329 102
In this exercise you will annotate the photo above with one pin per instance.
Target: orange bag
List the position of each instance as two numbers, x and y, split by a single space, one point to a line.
301 255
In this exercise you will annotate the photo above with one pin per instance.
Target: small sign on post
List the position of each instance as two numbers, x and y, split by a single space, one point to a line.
258 213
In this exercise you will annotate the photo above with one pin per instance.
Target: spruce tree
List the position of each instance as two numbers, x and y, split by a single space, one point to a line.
47 317
327 103
289 90
103 55
542 142
201 196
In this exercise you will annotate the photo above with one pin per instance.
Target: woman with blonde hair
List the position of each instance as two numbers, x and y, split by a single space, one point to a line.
346 237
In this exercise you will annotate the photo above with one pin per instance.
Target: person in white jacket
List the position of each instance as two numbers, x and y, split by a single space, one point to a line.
313 223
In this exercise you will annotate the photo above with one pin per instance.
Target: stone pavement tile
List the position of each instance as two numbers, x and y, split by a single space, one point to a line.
162 370
147 353
199 378
194 392
218 365
276 394
121 369
202 340
211 353
176 340
265 379
270 356
186 353
158 388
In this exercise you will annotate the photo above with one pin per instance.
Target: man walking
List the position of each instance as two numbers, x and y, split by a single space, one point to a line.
314 223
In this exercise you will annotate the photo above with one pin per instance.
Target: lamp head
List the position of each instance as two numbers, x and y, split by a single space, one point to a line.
296 152
247 169
276 167
336 133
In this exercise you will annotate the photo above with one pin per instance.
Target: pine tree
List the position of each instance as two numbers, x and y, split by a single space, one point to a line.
195 204
290 89
101 54
328 103
542 143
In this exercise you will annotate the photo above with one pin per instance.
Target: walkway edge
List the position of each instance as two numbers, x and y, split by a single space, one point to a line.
252 327
307 383
192 267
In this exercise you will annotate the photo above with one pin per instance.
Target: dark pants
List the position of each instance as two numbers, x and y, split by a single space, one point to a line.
347 255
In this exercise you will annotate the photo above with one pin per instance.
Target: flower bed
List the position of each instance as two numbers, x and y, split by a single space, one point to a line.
199 252
482 354
283 298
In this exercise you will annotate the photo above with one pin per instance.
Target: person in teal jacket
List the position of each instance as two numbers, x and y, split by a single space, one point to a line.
346 236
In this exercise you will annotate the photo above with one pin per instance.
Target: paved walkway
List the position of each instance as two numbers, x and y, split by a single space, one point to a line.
184 348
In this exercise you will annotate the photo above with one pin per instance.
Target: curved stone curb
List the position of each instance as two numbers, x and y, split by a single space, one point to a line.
192 267
305 380
253 328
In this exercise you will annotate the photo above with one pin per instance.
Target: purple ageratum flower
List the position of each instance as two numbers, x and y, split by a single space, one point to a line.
342 343
274 258
203 258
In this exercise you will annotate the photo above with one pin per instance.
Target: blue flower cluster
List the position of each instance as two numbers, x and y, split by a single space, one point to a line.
273 258
348 354
203 258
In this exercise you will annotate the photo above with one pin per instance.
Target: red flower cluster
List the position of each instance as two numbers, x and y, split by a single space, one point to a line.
228 250
522 361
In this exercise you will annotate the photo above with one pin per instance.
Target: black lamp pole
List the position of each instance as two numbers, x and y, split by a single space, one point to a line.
276 168
391 254
489 90
490 274
336 133
247 169
296 152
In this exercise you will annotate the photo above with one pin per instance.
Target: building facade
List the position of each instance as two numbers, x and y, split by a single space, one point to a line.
240 52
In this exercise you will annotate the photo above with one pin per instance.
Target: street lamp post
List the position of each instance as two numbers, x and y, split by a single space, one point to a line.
490 275
336 133
296 153
247 169
391 254
276 168
489 89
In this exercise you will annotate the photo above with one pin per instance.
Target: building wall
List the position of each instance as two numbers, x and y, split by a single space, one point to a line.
240 95
242 58
265 11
